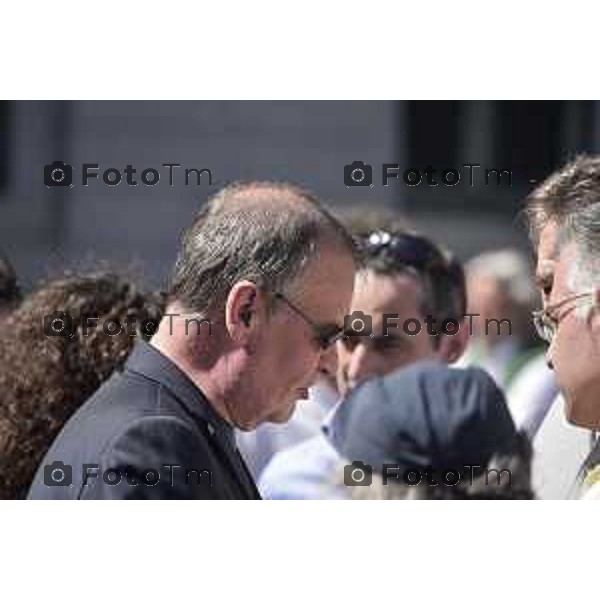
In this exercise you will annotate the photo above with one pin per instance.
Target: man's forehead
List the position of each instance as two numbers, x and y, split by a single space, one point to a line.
548 244
383 293
327 283
547 252
555 257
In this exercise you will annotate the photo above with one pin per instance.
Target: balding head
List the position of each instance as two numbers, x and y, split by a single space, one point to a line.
273 272
265 232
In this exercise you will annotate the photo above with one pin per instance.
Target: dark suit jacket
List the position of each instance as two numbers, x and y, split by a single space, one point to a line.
148 432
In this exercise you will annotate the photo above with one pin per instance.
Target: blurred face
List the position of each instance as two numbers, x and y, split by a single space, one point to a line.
288 355
361 358
574 353
487 300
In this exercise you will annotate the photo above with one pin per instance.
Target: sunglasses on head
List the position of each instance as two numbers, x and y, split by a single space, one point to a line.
411 250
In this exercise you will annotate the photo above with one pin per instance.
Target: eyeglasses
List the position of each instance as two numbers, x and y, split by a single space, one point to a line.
546 324
412 250
325 335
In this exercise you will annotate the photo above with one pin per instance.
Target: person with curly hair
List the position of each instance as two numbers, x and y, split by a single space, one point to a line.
45 375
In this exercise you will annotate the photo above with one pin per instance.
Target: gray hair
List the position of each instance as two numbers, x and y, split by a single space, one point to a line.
265 232
510 269
570 197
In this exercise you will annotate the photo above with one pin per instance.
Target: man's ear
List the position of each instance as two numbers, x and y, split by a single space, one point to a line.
245 308
452 347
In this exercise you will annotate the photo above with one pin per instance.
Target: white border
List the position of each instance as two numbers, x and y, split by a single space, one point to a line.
313 49
469 549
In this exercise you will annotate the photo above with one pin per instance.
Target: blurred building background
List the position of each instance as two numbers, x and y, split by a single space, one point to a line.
44 230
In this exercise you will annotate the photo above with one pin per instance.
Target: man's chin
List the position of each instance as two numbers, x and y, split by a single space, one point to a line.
581 411
282 414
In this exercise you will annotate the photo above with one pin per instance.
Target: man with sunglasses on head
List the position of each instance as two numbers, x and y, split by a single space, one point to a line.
262 282
564 217
403 277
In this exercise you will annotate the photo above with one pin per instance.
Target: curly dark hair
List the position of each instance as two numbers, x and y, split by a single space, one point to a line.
43 380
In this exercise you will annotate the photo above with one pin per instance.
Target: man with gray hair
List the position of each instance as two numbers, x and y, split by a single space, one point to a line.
259 293
564 217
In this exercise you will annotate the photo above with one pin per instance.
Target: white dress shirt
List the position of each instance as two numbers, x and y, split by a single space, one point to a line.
259 446
312 470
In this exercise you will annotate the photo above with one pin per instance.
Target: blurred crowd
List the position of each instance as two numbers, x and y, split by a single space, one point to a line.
312 383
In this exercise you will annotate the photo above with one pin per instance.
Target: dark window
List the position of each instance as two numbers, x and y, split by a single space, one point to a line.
4 143
433 129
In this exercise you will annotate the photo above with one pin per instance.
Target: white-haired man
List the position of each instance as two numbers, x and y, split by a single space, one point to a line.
564 217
